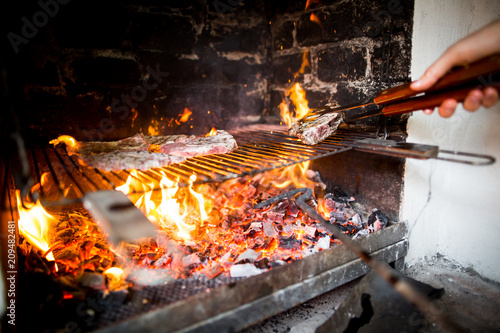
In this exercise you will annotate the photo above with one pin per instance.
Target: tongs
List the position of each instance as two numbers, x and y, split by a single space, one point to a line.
402 99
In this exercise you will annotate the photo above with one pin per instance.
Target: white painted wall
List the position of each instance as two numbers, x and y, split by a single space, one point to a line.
453 209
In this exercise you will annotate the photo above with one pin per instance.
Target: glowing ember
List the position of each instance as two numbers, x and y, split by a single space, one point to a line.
208 229
35 224
153 127
66 139
115 276
185 115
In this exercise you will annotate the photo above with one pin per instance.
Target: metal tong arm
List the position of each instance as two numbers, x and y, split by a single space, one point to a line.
420 151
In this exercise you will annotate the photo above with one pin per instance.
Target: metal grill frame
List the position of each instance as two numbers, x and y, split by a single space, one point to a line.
258 151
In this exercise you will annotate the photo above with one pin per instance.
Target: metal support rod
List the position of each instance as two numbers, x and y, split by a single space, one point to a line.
383 269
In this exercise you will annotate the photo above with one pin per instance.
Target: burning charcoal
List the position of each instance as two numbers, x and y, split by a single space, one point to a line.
259 242
214 271
273 243
351 229
290 243
262 263
92 280
161 241
337 217
225 258
310 250
310 231
293 210
357 220
249 254
248 191
309 239
377 220
323 243
288 230
191 260
244 270
330 204
340 196
163 260
275 216
349 213
255 227
66 254
361 233
269 229
342 227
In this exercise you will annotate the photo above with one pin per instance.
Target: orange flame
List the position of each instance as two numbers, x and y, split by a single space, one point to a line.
35 224
293 175
68 140
212 132
314 18
305 63
164 209
298 97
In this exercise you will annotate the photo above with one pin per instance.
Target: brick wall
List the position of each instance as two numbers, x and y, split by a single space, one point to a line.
344 47
106 69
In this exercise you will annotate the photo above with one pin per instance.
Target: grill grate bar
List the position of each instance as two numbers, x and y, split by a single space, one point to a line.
259 150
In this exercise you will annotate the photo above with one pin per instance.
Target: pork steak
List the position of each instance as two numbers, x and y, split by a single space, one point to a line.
317 130
192 146
124 160
133 143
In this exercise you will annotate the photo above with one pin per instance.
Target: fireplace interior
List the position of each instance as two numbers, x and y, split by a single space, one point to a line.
104 71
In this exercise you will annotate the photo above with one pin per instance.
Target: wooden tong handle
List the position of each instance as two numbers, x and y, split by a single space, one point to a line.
457 77
429 101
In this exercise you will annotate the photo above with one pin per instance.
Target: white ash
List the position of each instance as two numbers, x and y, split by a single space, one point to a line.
269 229
357 219
361 233
310 250
225 258
190 260
310 231
323 243
162 260
249 254
150 277
255 226
244 270
288 230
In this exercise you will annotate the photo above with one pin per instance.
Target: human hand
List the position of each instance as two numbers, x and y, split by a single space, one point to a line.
475 46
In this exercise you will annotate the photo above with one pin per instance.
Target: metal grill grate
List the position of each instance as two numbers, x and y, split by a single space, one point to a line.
63 180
